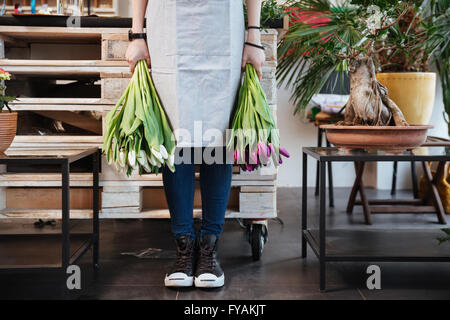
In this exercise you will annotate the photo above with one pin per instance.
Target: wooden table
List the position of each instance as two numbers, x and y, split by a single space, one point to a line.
385 206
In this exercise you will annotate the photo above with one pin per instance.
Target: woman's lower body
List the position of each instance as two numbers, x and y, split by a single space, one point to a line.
179 187
196 52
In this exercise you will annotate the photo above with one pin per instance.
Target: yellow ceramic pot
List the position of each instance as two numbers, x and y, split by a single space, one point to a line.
413 92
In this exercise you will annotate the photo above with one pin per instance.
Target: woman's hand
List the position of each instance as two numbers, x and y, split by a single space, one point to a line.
254 56
137 50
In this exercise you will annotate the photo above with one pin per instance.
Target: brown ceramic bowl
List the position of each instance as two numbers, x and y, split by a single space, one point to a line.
387 138
8 126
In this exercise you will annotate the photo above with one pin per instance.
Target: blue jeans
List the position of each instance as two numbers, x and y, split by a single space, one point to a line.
179 187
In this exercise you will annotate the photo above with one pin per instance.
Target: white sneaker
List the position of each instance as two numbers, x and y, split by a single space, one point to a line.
178 279
182 272
209 280
209 274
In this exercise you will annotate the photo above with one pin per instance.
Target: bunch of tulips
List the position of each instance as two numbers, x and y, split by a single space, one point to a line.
254 136
4 99
139 136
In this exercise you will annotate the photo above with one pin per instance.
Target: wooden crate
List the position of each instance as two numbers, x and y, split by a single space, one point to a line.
253 194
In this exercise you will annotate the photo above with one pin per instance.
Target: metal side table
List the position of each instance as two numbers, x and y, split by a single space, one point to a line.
81 242
367 245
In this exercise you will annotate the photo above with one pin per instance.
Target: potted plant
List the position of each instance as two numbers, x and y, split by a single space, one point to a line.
347 38
8 119
272 14
405 69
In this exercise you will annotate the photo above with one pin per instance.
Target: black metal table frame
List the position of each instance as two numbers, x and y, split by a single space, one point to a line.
64 163
319 248
320 133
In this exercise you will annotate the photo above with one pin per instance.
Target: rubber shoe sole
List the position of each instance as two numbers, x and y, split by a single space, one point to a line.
178 279
208 280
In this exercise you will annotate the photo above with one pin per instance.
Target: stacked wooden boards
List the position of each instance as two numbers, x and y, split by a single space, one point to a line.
27 52
98 7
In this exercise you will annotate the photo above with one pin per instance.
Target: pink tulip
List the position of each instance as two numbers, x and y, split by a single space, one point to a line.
284 152
254 158
262 148
272 148
236 155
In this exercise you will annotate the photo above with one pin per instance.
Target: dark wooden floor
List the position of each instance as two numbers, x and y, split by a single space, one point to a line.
281 273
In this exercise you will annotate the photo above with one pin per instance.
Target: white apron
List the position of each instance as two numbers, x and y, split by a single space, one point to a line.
196 51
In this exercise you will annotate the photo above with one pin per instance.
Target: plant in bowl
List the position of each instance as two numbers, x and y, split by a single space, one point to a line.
8 119
347 36
417 40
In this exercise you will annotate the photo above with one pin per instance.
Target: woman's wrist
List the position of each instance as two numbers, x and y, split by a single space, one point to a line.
254 36
137 29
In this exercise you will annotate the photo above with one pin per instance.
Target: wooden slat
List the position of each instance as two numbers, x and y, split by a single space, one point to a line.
74 119
402 209
44 213
58 101
258 189
392 201
43 180
64 67
57 139
60 33
61 104
61 63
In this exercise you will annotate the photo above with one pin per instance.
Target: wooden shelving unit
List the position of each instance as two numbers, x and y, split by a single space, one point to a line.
76 90
108 8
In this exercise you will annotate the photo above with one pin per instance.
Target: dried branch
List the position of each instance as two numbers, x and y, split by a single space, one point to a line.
385 48
394 22
343 56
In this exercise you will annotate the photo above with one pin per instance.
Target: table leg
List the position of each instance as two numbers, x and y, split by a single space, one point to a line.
352 199
434 193
330 180
95 203
304 202
322 227
414 180
365 202
394 178
319 144
359 186
65 183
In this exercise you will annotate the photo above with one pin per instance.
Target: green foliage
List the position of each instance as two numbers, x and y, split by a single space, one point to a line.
446 238
439 41
270 11
347 30
4 100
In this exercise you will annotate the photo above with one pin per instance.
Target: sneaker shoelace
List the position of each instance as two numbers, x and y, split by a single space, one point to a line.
183 259
207 261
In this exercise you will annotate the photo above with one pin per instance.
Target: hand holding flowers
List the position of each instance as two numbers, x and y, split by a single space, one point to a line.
138 136
254 135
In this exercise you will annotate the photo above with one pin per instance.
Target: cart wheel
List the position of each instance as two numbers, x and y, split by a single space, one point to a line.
258 238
